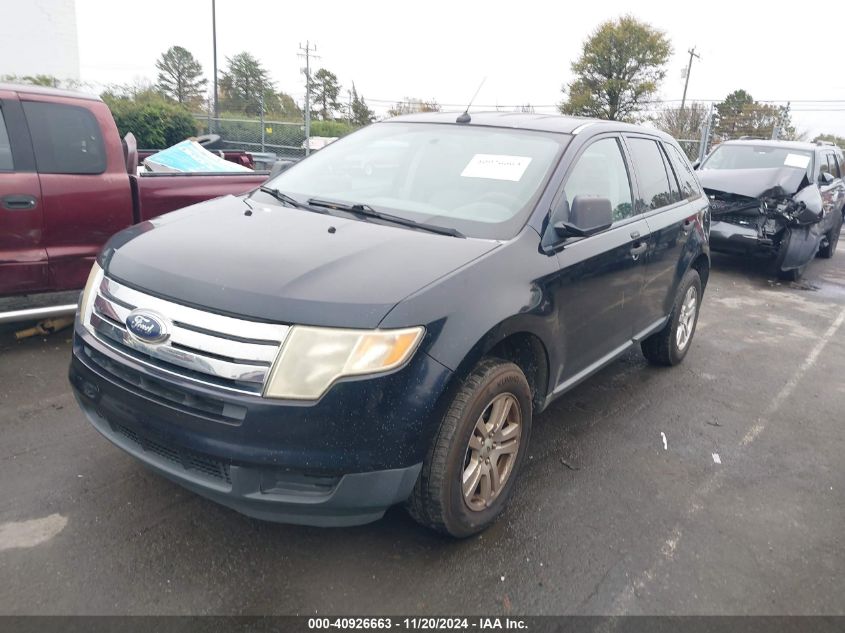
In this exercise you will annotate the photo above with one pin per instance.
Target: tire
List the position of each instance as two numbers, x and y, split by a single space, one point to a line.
665 347
793 274
439 500
832 236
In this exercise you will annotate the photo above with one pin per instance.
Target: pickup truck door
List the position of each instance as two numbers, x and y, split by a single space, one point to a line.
597 291
84 184
23 257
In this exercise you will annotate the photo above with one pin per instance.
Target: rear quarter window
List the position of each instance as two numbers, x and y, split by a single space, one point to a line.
689 184
66 139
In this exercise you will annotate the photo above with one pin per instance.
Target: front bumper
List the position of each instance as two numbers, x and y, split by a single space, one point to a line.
340 461
734 238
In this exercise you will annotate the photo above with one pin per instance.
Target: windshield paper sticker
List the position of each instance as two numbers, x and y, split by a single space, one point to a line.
796 160
496 167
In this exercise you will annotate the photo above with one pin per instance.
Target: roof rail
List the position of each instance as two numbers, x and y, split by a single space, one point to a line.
751 138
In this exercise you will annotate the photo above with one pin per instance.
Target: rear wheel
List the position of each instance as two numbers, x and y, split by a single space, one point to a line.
669 346
469 472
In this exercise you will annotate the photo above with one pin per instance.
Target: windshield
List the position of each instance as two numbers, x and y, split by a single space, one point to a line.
482 181
747 156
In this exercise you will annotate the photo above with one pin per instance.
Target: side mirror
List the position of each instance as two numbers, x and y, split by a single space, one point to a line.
825 178
280 166
588 215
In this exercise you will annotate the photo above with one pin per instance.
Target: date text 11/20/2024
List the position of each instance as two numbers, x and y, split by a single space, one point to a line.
423 623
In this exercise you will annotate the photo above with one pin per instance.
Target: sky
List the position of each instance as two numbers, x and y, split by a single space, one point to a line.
442 50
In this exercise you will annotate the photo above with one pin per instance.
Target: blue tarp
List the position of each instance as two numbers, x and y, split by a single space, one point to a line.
190 156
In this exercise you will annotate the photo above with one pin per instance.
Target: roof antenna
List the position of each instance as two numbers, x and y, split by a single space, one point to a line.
465 117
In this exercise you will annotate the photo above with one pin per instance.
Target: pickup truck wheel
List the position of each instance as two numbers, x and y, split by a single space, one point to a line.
471 467
669 346
832 239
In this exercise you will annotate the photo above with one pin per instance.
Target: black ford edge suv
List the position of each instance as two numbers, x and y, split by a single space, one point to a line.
380 323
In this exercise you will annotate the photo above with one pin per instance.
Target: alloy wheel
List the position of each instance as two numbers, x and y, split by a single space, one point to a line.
491 451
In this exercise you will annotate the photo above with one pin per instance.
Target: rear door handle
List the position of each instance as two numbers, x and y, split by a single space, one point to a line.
19 202
638 249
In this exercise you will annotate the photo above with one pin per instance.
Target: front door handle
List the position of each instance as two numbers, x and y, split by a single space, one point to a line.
17 202
638 249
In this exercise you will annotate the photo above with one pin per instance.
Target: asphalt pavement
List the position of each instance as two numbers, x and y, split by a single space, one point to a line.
741 511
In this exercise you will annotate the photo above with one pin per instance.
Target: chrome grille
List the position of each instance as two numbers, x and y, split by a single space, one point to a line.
204 347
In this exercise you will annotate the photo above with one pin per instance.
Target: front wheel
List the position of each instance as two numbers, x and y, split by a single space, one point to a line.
669 346
831 240
469 472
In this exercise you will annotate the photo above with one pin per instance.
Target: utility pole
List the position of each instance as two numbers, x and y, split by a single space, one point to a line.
692 54
306 51
706 130
263 124
214 47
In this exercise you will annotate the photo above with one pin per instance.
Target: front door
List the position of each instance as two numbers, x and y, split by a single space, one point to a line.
597 292
23 257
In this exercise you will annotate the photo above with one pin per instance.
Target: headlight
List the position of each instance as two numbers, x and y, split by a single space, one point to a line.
86 303
312 358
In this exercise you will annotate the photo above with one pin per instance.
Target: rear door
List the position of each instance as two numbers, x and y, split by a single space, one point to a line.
23 258
601 276
85 187
672 209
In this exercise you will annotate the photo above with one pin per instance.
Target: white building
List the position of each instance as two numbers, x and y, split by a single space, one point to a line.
38 37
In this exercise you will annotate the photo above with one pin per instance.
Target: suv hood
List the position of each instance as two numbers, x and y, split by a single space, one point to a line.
769 182
281 264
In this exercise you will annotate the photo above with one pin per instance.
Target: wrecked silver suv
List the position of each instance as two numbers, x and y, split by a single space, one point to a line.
779 199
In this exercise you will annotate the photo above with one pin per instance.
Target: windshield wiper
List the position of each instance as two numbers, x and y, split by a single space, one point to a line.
286 199
367 211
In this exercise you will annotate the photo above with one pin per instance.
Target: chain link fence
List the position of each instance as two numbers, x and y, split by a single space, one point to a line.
285 139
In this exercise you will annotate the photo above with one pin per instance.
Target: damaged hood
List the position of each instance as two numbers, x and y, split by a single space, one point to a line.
769 182
280 264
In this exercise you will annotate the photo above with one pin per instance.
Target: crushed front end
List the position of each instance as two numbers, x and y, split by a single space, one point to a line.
774 214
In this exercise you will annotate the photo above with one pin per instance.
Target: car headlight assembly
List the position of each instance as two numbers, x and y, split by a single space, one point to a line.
86 302
313 358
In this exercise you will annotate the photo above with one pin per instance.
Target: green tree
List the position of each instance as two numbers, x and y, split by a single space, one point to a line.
287 109
360 113
155 122
243 84
621 66
740 115
180 76
412 105
325 89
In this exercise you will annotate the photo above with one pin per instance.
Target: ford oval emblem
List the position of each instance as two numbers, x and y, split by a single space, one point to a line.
147 326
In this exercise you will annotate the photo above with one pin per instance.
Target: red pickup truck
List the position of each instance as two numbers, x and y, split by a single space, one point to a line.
67 183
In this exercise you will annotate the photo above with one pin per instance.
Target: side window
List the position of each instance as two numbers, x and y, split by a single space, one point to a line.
840 165
834 166
66 139
689 185
601 172
824 165
655 191
6 163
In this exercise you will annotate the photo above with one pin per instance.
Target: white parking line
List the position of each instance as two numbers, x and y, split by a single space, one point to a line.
625 600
